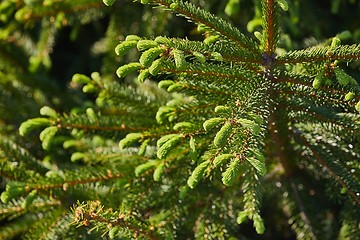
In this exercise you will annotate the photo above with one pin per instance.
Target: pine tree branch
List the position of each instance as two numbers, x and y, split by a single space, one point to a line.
319 158
212 71
4 210
34 13
119 222
11 150
102 123
320 117
200 16
229 51
74 179
320 54
302 210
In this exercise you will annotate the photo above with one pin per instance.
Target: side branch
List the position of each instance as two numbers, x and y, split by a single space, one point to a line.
332 173
75 182
320 54
197 15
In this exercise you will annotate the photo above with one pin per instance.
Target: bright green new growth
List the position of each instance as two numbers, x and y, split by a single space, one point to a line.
232 171
185 139
197 174
222 135
109 2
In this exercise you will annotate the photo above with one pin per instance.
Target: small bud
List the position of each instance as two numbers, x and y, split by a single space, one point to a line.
183 126
29 199
229 176
349 96
283 4
345 35
164 139
211 123
89 88
211 39
143 75
220 159
167 146
222 109
132 38
80 78
127 69
357 106
91 114
335 42
197 174
122 48
13 190
179 58
174 6
217 56
242 216
155 66
70 143
176 87
165 83
143 146
192 144
223 134
199 57
201 28
159 171
31 124
48 111
130 139
258 35
47 135
143 45
144 167
76 156
318 80
253 127
161 40
149 56
163 113
232 7
96 77
109 2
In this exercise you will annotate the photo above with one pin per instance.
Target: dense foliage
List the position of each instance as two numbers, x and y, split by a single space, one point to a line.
175 119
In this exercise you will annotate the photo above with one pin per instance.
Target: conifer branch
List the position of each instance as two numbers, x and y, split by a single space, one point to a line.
4 210
185 125
200 16
12 151
83 122
213 71
320 54
329 169
302 210
65 184
31 13
229 51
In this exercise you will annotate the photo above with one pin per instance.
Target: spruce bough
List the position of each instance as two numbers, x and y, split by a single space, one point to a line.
233 121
